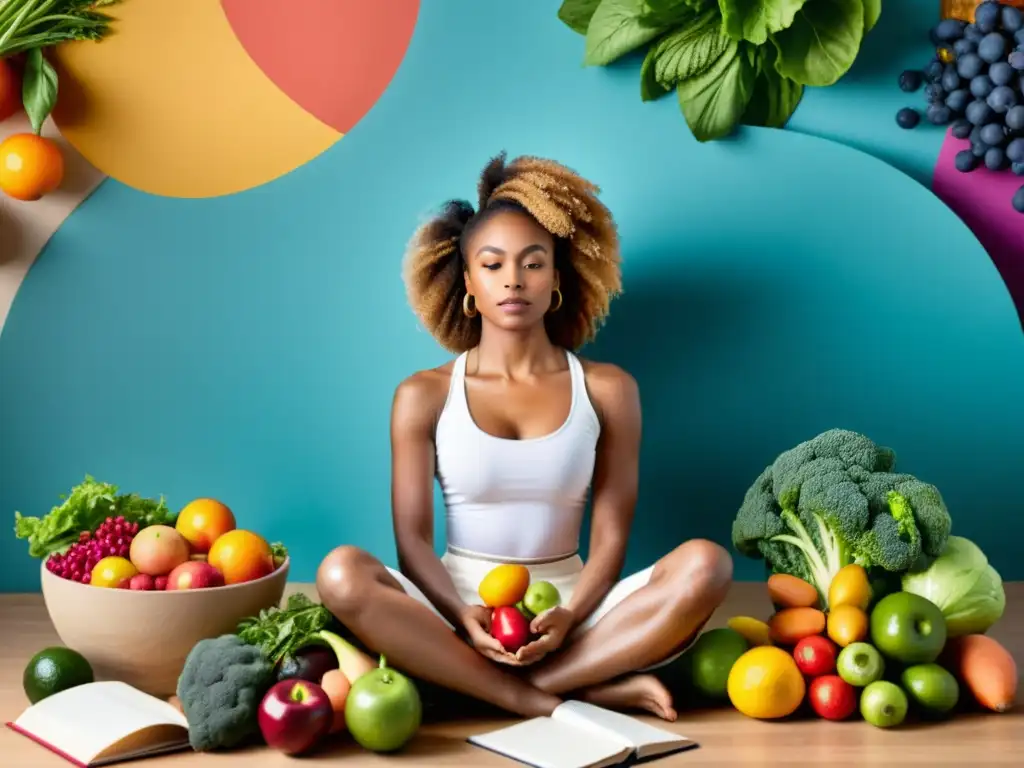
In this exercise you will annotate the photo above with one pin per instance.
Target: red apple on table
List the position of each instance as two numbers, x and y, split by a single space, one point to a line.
510 627
194 574
295 715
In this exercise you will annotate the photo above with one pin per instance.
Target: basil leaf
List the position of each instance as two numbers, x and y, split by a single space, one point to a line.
822 43
754 20
576 14
872 12
617 28
38 88
775 98
650 88
689 51
669 13
713 102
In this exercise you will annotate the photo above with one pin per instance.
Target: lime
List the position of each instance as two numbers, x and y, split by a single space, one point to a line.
53 670
711 658
933 688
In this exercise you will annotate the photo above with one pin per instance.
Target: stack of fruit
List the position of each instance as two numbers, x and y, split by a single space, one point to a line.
203 548
885 660
514 602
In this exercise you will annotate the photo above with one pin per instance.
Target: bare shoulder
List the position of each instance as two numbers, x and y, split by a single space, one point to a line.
419 397
612 388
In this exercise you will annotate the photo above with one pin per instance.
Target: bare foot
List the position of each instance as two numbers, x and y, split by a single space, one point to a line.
633 692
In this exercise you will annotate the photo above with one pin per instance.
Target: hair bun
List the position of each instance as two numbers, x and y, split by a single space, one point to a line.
458 212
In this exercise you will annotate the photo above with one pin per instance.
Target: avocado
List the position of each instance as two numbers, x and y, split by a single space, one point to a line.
53 670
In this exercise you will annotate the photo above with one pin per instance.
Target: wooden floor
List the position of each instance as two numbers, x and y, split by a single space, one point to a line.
726 737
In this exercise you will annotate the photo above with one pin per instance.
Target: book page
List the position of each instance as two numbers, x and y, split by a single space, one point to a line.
83 721
646 739
545 743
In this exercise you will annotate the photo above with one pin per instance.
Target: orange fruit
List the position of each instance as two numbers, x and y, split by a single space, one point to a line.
504 585
112 571
847 624
765 683
31 166
241 556
10 89
203 521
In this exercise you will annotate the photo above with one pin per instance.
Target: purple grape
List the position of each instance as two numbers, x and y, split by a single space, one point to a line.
1015 118
968 67
986 16
1018 200
1015 151
908 118
1012 19
992 47
993 134
1016 61
995 159
981 86
964 46
951 80
958 101
1002 99
1001 73
949 30
938 114
965 161
934 70
910 80
961 128
1018 169
972 33
979 112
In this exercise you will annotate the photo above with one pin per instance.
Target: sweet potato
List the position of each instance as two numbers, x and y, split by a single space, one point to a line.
787 591
791 625
986 669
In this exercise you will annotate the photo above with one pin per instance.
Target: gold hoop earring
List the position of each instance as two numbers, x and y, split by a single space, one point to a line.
556 307
466 309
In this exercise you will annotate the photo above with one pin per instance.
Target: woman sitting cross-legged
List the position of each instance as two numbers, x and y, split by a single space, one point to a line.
519 431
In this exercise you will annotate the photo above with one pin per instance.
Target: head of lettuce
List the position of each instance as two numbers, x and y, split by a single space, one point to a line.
967 589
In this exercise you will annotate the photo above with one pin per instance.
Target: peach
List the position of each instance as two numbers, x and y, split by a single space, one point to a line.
158 549
203 521
194 574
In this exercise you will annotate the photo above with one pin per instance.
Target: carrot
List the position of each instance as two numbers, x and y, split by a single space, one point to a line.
986 669
788 591
791 625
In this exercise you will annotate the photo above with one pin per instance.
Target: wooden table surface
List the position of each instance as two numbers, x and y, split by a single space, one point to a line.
726 737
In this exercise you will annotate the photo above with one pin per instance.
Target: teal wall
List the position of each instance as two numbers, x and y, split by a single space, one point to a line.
777 284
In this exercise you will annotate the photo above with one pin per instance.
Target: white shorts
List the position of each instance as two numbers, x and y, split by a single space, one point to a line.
468 570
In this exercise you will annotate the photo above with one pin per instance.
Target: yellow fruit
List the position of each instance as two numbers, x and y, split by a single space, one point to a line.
850 586
765 683
847 624
112 572
504 585
754 631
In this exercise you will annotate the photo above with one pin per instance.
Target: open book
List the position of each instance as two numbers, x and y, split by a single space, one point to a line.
581 735
103 723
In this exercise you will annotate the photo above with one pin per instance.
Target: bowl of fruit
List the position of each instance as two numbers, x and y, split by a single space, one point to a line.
133 587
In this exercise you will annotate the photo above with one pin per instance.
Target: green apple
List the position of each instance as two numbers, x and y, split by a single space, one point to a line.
383 710
540 596
931 687
883 704
860 664
908 628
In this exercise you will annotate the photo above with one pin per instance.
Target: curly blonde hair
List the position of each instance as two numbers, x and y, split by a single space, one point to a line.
587 252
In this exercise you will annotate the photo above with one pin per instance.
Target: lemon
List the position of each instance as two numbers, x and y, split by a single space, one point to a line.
504 584
765 683
112 571
754 630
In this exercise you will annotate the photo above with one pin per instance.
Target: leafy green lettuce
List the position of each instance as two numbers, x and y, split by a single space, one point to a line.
730 62
84 509
965 586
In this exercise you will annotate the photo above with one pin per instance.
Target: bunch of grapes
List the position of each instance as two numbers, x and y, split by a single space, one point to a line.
976 84
113 538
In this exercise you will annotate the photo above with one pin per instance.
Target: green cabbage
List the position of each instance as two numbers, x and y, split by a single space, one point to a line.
961 582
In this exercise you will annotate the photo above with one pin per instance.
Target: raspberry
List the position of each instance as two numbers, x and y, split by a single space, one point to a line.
113 538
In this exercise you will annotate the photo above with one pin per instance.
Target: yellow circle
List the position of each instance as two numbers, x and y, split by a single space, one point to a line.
112 571
765 683
171 104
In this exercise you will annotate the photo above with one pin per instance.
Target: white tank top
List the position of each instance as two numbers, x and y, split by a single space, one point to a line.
517 500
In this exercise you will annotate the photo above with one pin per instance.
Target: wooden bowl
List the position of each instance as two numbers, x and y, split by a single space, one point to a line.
143 637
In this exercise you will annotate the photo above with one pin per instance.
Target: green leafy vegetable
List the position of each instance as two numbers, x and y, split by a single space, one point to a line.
714 100
965 586
39 88
576 14
31 24
730 62
616 29
823 41
279 632
83 509
754 20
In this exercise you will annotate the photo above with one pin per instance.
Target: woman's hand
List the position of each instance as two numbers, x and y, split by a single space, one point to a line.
553 626
476 621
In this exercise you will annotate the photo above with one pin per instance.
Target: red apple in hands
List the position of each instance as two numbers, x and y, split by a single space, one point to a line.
294 715
509 627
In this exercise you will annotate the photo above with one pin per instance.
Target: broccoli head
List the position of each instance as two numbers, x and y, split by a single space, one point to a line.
220 687
834 500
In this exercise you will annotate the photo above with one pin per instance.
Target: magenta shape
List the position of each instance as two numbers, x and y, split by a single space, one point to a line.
981 199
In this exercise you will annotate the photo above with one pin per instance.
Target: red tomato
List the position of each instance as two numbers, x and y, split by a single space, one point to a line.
832 698
816 655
